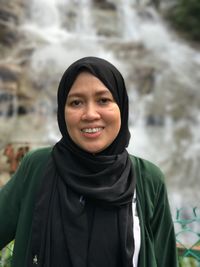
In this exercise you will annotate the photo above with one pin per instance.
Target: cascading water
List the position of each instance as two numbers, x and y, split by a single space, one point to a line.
177 139
84 25
57 44
162 75
44 20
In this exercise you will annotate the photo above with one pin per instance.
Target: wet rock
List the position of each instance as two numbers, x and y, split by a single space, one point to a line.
9 77
24 54
16 7
9 72
25 104
146 79
103 4
155 120
8 34
7 15
10 16
12 100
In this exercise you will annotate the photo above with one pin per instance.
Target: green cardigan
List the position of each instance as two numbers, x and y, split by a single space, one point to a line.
17 197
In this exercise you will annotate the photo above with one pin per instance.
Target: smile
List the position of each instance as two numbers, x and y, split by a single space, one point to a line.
92 130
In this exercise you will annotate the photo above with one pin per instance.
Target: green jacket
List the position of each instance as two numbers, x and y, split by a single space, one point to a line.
158 247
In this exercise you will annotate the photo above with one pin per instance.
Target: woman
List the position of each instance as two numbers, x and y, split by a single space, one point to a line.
74 204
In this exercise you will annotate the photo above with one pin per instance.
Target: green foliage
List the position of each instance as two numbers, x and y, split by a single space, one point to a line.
185 15
188 262
6 256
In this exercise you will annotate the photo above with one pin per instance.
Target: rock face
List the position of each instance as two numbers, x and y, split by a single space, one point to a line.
12 98
9 77
105 5
10 16
15 56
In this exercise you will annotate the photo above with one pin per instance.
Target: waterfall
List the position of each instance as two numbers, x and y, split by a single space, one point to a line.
141 23
84 24
59 45
45 13
161 73
45 21
129 21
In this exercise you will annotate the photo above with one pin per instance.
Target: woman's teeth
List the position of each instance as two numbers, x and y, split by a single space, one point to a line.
91 130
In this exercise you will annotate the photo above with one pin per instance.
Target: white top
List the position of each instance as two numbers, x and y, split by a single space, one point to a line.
136 232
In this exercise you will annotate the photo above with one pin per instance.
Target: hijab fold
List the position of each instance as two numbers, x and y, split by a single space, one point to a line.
83 211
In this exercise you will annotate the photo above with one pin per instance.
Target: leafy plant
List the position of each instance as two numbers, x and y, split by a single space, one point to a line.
188 262
185 16
6 255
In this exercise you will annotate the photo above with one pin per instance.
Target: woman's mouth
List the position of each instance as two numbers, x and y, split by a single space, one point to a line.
92 130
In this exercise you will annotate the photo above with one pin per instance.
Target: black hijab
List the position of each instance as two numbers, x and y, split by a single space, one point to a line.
113 80
83 212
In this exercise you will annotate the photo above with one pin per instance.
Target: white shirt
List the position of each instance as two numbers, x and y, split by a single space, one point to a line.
136 231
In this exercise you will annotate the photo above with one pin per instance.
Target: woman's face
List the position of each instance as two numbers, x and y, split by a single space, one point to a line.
91 114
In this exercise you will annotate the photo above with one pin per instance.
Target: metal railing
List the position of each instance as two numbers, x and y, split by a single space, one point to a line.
187 228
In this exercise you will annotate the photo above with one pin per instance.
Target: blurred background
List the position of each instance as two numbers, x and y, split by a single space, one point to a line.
153 45
156 46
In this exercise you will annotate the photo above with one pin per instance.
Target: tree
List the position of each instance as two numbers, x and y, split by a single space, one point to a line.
185 15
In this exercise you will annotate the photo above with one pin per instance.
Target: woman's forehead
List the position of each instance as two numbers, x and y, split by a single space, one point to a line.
87 81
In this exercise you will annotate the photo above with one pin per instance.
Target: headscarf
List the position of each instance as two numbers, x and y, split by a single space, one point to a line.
83 212
113 80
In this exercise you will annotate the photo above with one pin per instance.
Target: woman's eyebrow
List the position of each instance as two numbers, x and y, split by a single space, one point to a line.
98 93
103 92
75 95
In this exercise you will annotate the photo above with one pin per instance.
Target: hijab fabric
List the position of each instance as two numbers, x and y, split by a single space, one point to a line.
83 211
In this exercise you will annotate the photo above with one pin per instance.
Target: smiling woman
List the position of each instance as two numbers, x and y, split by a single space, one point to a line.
92 115
86 202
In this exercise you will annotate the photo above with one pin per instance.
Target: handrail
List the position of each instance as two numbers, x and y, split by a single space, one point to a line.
187 231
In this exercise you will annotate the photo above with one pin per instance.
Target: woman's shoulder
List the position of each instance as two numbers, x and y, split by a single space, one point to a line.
39 153
150 185
36 156
147 170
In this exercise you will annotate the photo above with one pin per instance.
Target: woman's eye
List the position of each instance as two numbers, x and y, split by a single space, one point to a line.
75 103
104 101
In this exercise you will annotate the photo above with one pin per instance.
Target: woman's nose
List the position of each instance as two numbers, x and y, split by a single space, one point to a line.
90 112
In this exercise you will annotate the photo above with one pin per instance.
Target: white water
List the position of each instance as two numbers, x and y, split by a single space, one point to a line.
44 21
127 15
84 22
176 70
